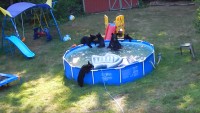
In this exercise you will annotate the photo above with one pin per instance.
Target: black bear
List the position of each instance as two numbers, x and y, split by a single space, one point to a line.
84 69
127 37
114 43
100 41
88 40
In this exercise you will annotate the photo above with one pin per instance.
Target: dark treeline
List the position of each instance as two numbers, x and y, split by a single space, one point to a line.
62 9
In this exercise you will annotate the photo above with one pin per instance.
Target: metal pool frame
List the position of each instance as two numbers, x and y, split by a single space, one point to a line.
113 76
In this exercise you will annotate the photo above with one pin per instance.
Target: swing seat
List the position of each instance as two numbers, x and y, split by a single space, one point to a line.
38 32
42 33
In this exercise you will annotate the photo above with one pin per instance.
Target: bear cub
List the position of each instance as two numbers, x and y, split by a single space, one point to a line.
100 41
84 70
88 40
114 43
127 37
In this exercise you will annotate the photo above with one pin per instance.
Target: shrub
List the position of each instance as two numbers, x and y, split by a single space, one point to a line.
64 8
197 20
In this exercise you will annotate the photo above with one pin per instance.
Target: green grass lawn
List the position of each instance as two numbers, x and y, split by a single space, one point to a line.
173 87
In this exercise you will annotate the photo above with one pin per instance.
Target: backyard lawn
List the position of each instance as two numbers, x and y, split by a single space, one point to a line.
173 87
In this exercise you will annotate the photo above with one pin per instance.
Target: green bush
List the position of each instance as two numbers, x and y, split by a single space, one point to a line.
64 8
197 20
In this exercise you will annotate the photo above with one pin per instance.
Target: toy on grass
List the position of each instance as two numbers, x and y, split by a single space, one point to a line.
74 45
5 79
116 27
106 21
111 28
71 17
66 38
38 32
119 22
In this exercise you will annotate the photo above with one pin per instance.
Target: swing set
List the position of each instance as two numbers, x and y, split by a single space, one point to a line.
41 31
18 9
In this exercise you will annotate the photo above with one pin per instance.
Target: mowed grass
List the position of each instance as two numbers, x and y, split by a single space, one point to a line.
173 87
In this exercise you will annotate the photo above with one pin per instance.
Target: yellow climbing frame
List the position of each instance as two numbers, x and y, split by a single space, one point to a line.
119 22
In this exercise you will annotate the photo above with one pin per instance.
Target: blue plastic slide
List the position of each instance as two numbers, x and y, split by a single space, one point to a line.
7 78
21 46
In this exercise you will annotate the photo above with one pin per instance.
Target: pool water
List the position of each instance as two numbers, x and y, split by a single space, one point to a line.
133 52
138 61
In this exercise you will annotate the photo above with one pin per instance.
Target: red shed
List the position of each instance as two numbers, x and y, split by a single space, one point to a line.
95 6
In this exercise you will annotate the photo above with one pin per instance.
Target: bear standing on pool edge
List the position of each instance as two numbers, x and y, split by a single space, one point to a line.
88 40
84 70
100 41
127 37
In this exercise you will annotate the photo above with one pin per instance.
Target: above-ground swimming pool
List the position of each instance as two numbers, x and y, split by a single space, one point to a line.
138 60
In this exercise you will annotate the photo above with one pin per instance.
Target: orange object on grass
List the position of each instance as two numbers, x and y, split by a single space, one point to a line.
23 39
74 45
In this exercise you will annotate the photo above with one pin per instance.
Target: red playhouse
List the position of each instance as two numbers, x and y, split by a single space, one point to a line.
95 6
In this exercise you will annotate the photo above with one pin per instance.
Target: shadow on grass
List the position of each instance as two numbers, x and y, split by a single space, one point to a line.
39 90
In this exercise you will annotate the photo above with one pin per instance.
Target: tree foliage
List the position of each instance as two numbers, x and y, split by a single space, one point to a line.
197 20
64 8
